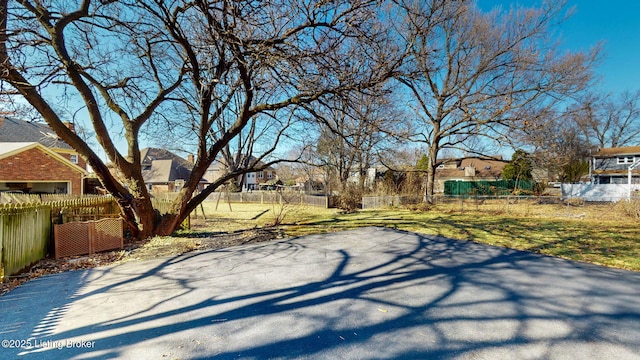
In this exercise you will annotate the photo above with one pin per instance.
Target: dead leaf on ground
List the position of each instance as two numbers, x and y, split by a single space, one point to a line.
171 246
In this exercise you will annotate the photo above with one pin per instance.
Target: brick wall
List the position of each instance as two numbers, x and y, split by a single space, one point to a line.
36 165
67 155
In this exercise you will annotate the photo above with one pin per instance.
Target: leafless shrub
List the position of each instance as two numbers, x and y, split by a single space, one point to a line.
574 202
630 208
285 203
350 199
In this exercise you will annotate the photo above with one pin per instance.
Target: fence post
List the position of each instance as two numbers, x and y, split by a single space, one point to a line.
507 204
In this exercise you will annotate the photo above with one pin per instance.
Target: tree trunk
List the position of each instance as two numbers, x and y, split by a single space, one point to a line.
146 218
430 186
168 224
431 174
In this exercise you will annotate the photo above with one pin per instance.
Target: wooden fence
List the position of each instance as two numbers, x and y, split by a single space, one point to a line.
26 228
14 198
24 237
26 221
263 197
88 237
378 202
83 209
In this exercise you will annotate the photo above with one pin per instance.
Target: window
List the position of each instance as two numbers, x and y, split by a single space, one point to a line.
261 175
269 175
73 158
626 159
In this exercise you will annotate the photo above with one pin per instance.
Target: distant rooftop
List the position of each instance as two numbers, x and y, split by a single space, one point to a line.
14 130
161 166
627 150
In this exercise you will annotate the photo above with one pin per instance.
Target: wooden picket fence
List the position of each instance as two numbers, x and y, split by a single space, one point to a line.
163 203
24 237
26 223
26 227
269 197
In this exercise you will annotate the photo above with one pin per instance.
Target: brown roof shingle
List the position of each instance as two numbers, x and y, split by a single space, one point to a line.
608 152
485 168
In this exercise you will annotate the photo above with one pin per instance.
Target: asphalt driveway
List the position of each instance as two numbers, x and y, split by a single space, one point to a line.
364 294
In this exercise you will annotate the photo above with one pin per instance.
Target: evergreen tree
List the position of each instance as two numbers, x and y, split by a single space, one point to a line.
519 168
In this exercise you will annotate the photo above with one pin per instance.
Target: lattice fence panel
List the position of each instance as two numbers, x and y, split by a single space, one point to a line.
108 235
88 237
72 239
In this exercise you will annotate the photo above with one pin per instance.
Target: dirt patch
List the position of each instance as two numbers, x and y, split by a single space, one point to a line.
154 248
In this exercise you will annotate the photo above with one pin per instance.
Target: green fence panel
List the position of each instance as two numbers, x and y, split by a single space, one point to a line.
485 188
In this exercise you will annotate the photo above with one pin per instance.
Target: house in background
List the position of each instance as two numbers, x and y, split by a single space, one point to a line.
611 165
164 171
257 179
16 130
34 160
31 167
250 181
468 169
314 179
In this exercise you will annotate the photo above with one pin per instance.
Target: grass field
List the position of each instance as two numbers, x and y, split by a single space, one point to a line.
598 234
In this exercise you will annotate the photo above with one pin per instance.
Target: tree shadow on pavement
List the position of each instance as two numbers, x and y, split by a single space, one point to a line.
368 293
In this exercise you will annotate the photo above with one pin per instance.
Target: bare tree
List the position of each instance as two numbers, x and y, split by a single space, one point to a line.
204 72
557 145
475 74
610 120
353 132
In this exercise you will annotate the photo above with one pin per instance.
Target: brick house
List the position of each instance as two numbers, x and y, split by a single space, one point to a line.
33 159
16 130
255 180
31 167
250 181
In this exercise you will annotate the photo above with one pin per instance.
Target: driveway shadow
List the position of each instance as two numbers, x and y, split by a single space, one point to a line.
368 293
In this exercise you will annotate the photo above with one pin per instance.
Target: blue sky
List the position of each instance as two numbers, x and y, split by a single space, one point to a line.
614 22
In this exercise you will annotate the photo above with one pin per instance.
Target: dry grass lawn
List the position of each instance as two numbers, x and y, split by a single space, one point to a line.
596 233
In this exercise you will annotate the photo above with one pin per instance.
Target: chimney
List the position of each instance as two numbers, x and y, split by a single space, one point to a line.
470 171
70 126
190 158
